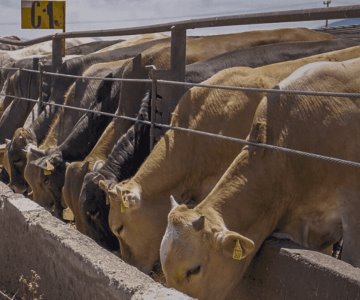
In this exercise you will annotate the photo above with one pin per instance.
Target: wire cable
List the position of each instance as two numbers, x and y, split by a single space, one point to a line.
208 134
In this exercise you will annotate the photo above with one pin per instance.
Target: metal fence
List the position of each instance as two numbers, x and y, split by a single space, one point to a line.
177 64
154 124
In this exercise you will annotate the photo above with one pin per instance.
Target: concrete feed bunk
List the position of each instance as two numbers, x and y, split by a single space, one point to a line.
72 266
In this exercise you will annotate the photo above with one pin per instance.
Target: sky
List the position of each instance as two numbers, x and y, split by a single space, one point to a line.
109 14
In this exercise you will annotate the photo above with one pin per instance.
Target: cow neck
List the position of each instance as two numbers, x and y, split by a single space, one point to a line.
104 145
129 152
244 198
168 173
79 142
42 124
88 129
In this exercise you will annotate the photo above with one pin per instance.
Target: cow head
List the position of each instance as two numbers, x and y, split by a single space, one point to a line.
200 256
93 212
130 221
45 172
74 177
15 158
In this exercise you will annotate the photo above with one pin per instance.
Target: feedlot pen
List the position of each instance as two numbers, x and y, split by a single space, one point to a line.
72 266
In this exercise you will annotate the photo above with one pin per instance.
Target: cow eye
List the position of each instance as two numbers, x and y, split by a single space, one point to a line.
119 229
46 180
193 271
16 160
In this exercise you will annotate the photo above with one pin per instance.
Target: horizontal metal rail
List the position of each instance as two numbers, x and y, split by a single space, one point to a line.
263 90
210 86
339 12
208 134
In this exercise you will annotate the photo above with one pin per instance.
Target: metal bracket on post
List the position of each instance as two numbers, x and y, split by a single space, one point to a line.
41 76
56 53
164 97
153 98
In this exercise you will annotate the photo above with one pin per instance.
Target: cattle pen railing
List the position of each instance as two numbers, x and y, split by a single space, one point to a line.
153 124
177 65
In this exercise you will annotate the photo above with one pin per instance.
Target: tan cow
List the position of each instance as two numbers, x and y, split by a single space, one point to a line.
206 250
197 49
188 166
205 47
135 40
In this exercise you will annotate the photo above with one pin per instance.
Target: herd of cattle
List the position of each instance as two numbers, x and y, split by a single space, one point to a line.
196 206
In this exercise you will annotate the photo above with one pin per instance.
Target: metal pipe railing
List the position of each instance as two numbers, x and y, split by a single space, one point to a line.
204 85
330 159
339 12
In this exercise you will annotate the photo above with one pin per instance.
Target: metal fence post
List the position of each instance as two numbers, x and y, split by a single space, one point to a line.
178 52
152 105
35 65
41 75
56 53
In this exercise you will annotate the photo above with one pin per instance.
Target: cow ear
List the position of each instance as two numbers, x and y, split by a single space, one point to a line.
199 223
103 185
56 158
97 178
49 166
173 202
129 195
98 165
7 141
36 152
235 245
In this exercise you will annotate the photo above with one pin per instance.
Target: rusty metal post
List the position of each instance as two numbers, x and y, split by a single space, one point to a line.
41 76
153 98
56 53
63 43
178 52
35 65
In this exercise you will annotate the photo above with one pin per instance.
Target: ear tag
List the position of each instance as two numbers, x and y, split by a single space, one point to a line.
49 166
68 214
47 172
237 254
123 206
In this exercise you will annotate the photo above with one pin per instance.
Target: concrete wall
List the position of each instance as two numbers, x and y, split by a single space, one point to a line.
72 266
282 270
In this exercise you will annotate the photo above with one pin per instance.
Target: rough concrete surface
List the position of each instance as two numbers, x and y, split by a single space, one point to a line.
72 266
283 270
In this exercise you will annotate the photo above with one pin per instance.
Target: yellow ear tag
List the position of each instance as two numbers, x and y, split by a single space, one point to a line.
237 254
68 214
49 166
123 206
47 172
